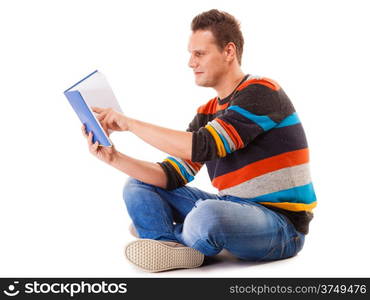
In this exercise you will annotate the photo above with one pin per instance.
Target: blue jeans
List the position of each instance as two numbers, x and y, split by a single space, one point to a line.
209 222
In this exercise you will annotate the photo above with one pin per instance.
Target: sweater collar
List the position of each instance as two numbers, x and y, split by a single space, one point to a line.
231 96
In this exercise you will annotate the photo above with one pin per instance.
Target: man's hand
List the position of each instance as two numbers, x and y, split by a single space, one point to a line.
106 154
111 119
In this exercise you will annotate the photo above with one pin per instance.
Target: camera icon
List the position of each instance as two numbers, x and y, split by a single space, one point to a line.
11 290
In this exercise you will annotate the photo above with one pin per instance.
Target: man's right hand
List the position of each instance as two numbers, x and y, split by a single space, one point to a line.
111 119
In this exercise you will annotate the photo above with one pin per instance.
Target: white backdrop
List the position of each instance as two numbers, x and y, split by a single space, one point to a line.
61 210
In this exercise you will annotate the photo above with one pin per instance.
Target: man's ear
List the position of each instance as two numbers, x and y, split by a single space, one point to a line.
230 51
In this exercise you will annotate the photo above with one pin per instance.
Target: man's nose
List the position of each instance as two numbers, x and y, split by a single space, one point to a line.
191 62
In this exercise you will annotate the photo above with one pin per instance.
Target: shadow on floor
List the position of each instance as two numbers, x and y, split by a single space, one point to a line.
226 258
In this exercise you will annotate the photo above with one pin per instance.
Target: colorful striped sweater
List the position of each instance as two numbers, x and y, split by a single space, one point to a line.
254 147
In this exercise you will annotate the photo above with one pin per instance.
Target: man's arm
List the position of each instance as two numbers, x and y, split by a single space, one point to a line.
151 173
148 172
174 142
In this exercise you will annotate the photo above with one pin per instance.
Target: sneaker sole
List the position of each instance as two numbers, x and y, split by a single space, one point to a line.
154 256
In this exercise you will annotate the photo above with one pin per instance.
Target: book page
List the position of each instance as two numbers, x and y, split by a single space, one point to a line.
96 91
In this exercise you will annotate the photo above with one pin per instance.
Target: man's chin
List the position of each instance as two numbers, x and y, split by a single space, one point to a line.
202 83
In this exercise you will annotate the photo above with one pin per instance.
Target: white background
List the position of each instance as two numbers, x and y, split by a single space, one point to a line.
61 210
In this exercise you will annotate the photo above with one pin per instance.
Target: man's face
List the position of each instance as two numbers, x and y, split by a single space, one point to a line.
207 61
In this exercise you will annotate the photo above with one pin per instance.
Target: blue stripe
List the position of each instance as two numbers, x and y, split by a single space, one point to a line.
289 121
224 141
185 173
301 194
263 121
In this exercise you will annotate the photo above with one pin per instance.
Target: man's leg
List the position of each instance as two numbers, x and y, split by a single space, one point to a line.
248 230
153 210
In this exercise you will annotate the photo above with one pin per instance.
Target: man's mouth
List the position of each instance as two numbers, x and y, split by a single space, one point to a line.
198 73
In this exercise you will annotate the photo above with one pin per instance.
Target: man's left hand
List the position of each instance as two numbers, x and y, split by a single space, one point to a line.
106 154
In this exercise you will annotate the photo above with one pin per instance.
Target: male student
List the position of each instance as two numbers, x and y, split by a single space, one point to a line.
254 147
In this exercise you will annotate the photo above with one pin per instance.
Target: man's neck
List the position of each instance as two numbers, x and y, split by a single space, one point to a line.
229 83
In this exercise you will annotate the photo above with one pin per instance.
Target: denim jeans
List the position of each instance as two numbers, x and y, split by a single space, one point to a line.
209 222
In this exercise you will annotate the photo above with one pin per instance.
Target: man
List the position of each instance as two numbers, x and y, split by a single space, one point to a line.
256 153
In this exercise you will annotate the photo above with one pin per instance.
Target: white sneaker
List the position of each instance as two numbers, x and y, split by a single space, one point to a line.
156 256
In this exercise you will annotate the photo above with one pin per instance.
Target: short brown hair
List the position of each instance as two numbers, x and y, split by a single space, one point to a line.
224 27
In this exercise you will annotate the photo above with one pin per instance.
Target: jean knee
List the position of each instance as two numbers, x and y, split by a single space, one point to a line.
130 182
204 219
130 187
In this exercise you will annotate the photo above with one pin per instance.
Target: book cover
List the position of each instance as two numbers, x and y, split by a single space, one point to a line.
92 90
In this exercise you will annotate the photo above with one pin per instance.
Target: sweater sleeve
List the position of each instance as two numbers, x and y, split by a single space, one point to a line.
255 109
180 171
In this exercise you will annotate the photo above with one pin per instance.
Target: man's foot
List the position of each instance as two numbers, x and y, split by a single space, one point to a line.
156 256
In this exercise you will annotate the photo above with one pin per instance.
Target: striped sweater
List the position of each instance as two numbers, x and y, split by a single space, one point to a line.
254 147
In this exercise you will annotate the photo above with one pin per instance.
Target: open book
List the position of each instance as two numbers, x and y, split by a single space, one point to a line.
93 90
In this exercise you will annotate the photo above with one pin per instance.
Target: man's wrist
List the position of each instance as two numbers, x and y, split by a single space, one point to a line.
114 158
130 124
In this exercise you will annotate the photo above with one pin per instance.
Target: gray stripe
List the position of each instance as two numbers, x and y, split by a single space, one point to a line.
221 130
255 77
271 182
188 168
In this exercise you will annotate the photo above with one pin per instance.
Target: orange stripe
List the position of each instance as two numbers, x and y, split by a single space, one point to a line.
211 107
221 106
208 108
233 134
264 81
261 167
194 165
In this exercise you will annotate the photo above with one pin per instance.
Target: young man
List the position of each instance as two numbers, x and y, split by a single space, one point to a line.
253 144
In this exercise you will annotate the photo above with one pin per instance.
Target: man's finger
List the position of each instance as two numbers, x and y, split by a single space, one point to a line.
84 131
102 121
96 145
97 109
90 137
105 125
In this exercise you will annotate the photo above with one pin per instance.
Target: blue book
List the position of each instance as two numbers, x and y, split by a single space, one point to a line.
93 90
